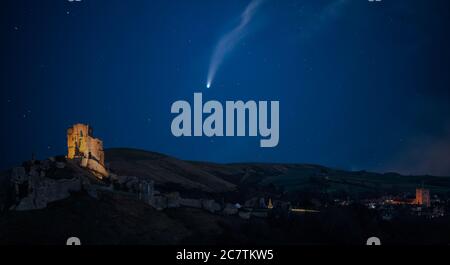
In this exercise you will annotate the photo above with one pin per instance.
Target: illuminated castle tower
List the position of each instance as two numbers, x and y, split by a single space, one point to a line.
89 150
423 197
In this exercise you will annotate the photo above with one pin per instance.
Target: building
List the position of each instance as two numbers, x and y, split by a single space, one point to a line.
270 205
88 150
423 197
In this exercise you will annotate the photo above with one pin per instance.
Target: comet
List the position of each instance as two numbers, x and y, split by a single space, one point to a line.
228 41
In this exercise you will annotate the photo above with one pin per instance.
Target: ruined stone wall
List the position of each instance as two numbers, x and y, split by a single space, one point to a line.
32 190
46 191
96 150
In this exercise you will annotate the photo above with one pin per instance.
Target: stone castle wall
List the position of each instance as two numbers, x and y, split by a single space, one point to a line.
82 145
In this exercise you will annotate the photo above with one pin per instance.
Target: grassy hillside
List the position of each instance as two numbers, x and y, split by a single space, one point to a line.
302 177
213 177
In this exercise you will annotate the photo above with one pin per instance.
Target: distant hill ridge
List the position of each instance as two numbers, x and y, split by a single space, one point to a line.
215 177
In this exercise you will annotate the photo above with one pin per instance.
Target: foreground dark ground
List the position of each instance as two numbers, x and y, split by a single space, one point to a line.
118 219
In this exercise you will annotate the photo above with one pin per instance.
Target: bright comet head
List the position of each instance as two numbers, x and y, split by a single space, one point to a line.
208 85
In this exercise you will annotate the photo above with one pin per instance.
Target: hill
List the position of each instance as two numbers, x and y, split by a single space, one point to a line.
213 177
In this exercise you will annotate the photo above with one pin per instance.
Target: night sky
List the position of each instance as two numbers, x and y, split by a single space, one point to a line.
362 85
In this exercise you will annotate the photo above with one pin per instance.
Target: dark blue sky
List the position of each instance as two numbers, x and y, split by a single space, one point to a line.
361 85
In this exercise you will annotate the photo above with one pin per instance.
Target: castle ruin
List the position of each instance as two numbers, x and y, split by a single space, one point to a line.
88 150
